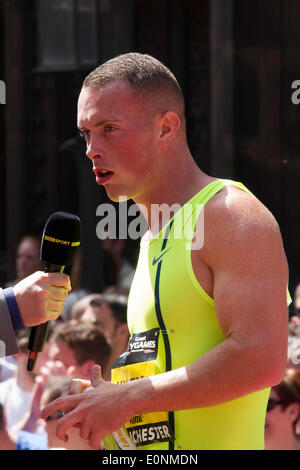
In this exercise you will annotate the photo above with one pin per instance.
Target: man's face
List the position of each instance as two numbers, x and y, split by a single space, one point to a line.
59 351
105 320
120 138
28 259
279 421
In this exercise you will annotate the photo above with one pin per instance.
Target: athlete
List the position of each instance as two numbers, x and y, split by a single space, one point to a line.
207 310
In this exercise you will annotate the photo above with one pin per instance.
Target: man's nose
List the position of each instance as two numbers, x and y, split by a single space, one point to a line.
93 150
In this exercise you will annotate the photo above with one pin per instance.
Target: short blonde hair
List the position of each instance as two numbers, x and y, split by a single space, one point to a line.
146 75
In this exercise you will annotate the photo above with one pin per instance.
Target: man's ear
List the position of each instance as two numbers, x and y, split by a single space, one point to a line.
169 125
293 411
123 330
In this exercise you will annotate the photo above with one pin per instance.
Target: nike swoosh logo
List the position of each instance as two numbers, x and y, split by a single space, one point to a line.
156 260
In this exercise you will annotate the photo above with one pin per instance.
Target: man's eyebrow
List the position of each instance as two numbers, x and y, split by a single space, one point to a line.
100 123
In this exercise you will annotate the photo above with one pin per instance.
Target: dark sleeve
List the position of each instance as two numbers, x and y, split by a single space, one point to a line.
8 344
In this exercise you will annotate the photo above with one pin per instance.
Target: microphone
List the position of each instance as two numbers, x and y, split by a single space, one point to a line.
60 240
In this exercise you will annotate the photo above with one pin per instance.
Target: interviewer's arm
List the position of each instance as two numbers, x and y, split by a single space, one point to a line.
8 344
34 300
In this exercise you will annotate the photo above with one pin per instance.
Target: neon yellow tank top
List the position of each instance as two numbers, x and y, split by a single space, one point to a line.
172 322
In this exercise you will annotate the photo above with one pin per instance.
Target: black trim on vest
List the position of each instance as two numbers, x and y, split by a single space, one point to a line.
163 328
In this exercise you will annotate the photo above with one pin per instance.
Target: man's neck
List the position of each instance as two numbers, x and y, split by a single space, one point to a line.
175 191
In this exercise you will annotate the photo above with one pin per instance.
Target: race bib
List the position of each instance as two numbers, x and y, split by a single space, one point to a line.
139 361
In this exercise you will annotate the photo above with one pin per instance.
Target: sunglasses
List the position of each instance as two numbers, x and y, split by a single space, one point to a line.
272 403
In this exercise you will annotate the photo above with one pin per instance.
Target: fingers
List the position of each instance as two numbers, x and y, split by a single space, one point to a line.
53 310
59 280
62 403
85 428
95 439
66 422
55 301
55 298
53 307
57 293
89 431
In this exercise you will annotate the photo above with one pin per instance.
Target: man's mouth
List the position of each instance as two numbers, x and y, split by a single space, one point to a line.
102 176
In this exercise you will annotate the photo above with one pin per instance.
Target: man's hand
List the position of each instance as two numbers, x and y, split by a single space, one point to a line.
80 385
96 412
41 296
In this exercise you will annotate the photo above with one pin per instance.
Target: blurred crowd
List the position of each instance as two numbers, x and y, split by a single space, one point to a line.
92 329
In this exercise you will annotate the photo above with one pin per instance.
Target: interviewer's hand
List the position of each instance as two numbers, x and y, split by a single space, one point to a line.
41 296
96 412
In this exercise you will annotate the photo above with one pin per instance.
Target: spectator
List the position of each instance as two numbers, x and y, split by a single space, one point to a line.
27 258
79 346
71 301
283 413
124 270
7 439
19 440
8 368
109 313
23 439
76 270
113 289
15 393
80 305
31 421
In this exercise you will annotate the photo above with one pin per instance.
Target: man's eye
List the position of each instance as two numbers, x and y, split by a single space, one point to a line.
109 128
84 134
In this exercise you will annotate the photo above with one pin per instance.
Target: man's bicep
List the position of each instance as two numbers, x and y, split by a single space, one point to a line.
248 305
252 313
250 283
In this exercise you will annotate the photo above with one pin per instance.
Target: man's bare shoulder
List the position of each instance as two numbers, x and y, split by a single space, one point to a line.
233 204
236 221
